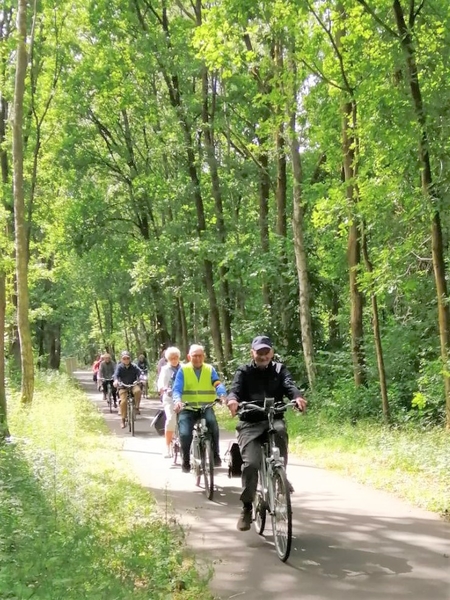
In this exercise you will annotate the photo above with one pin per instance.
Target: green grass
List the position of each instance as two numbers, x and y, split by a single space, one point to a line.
412 463
74 523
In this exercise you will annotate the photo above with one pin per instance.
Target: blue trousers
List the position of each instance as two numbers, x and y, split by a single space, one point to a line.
186 421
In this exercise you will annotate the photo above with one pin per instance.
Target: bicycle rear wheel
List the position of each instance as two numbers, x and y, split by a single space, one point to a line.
132 418
208 469
281 514
259 508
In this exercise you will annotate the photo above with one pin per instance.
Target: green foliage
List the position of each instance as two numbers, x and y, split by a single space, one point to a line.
74 522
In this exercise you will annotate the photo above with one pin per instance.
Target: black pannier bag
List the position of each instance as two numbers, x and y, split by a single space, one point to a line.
159 421
234 460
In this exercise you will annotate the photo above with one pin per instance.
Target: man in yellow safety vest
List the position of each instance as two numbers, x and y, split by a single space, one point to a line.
196 383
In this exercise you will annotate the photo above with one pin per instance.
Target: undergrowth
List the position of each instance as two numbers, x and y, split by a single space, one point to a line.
74 523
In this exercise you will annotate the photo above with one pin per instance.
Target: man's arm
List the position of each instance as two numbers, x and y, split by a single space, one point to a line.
220 388
116 375
289 388
178 386
236 391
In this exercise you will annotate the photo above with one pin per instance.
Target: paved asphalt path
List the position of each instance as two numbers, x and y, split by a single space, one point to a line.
351 542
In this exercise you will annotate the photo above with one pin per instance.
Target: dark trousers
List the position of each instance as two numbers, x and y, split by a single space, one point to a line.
250 438
186 421
113 390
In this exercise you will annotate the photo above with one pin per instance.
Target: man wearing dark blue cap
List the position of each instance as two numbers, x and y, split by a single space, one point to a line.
261 378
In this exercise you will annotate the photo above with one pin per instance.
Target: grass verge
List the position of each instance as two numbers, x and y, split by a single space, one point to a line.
412 463
74 523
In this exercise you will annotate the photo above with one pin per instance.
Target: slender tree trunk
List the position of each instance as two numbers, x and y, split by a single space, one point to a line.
225 311
430 192
54 359
100 323
281 202
183 324
20 225
301 257
3 407
376 332
354 246
264 194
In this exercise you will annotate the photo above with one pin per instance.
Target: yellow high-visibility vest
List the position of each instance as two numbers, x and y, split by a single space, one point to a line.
198 391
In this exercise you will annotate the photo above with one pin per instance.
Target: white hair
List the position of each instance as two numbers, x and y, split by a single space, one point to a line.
195 347
172 350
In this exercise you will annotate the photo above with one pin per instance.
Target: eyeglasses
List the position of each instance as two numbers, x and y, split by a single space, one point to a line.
263 352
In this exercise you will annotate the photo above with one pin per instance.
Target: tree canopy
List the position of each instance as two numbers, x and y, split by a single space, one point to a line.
208 172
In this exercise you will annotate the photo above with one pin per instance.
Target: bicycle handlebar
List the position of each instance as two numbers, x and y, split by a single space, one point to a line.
127 385
203 406
265 409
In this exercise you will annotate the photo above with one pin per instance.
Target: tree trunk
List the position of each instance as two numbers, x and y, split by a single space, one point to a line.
429 191
3 407
20 225
184 330
208 133
54 359
301 258
376 332
354 247
100 324
264 193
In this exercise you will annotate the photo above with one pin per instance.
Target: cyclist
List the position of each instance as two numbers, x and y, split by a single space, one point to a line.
106 371
165 383
261 378
95 368
127 373
142 364
196 383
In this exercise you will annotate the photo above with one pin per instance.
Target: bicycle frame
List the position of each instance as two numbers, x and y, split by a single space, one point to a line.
202 455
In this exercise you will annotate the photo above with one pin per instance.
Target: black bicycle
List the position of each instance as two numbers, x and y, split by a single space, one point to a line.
109 394
201 453
131 406
273 494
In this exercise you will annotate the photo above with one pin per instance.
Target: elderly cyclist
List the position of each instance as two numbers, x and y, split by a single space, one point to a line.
261 378
127 373
196 383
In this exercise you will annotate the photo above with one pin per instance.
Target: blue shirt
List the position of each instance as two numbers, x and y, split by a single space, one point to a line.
178 385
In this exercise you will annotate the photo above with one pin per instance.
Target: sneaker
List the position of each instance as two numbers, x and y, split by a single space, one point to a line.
217 461
186 467
123 424
245 519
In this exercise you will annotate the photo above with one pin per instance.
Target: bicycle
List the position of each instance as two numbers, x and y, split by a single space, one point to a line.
273 494
131 406
201 452
143 382
109 397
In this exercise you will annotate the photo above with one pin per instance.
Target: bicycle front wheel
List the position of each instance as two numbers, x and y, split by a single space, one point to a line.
132 418
208 469
259 508
281 514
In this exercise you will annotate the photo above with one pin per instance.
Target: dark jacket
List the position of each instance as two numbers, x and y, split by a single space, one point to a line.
127 374
251 384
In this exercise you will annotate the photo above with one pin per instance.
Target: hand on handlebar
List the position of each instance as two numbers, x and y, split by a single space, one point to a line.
301 404
233 406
